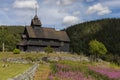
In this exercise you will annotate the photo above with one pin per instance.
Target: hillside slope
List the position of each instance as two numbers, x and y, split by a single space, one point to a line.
106 31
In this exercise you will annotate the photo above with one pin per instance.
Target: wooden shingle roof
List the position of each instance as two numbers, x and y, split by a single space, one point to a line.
47 33
30 32
62 36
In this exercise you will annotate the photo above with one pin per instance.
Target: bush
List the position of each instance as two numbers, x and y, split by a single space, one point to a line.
97 48
48 49
16 51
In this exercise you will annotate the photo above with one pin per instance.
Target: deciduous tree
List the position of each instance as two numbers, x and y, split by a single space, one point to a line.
97 48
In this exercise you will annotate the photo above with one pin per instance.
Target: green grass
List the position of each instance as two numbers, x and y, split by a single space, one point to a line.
12 70
42 72
32 56
21 55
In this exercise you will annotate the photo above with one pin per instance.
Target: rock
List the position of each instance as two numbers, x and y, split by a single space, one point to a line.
45 59
54 59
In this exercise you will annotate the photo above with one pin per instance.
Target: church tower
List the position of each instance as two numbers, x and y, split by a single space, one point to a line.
35 22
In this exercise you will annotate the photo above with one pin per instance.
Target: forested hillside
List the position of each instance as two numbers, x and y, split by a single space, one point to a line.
10 35
106 31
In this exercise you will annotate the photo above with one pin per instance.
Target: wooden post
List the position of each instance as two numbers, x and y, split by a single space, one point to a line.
3 47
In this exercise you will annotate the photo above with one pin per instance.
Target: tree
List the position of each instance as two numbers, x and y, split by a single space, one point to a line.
11 42
97 48
3 34
9 37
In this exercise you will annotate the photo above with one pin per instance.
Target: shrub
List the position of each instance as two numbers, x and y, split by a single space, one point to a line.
16 51
97 48
48 49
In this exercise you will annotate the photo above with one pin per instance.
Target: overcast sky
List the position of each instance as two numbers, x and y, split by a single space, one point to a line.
57 13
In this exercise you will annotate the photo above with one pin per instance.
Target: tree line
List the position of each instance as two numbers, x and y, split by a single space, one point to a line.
106 31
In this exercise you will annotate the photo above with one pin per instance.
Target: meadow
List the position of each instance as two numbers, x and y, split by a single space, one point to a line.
22 55
12 69
62 69
70 70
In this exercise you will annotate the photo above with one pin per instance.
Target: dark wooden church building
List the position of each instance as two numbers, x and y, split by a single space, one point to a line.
36 38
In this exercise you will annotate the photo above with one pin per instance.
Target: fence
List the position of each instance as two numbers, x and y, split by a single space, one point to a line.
27 75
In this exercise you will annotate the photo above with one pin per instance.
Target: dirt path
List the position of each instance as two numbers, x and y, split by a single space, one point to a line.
43 72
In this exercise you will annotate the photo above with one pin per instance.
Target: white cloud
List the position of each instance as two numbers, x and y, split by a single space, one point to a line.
70 20
99 9
25 4
51 16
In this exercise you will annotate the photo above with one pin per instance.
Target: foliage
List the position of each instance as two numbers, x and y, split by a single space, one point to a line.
10 35
106 31
3 35
16 51
48 49
97 47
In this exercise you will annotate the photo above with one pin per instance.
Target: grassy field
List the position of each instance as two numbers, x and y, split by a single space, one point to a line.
42 72
71 70
32 56
12 69
22 55
62 69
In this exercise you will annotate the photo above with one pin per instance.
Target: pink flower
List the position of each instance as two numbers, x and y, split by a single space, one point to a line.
109 72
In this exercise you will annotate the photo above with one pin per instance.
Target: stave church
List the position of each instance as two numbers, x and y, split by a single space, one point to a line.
36 38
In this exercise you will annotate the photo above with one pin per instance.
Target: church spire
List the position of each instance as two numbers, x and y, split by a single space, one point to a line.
36 8
35 21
